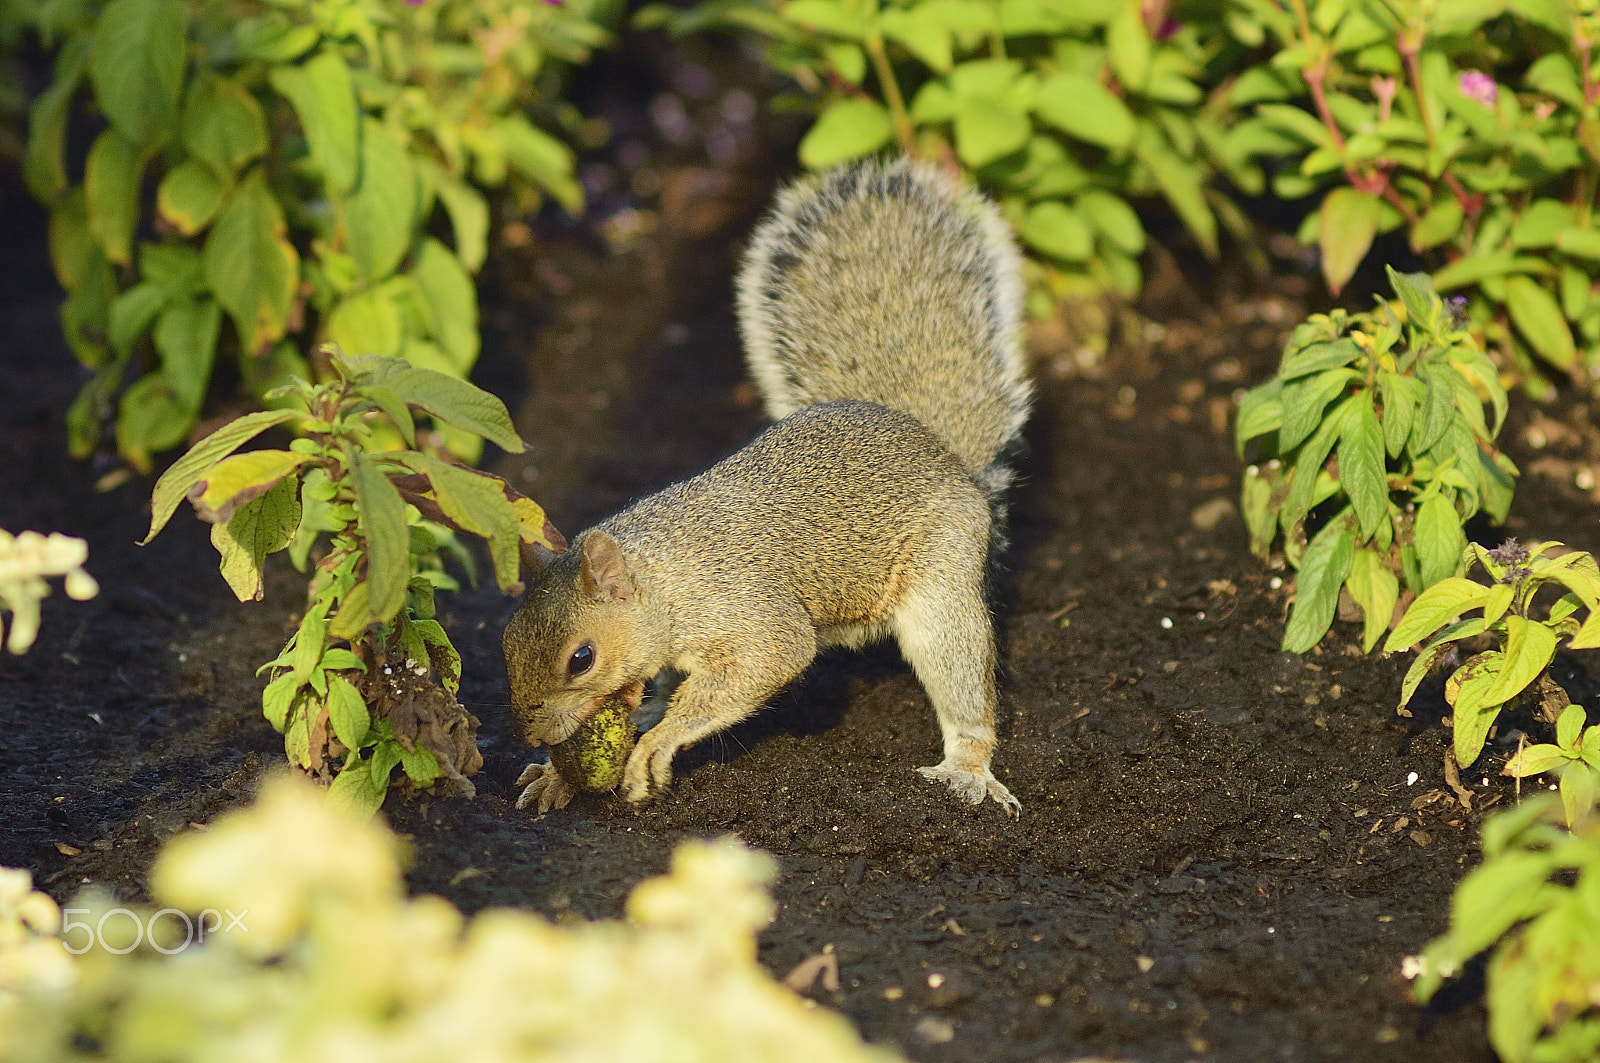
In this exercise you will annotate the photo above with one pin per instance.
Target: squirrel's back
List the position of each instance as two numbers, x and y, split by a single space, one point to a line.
890 282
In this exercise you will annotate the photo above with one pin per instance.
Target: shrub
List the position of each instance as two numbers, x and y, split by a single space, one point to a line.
1374 425
299 151
1467 126
385 698
1532 902
1065 110
1527 631
332 960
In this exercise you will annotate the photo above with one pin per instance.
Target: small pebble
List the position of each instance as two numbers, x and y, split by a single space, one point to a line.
1166 622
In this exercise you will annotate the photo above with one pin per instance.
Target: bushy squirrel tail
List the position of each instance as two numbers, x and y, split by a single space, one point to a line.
892 283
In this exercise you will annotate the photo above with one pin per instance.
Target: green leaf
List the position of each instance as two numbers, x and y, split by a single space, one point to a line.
131 314
175 483
457 403
189 196
1128 46
1438 410
1438 539
1084 109
1569 726
1055 228
1442 223
1537 316
1539 223
354 794
1434 608
387 539
1375 589
260 527
347 712
452 302
223 125
1182 185
543 159
921 36
828 16
1530 646
324 99
44 167
989 128
1400 396
477 503
1323 570
150 419
1582 243
1361 471
385 755
1494 897
278 698
847 129
1579 784
137 67
367 322
1318 357
1349 221
236 480
111 188
1474 712
1308 469
1112 218
1260 412
251 266
1472 269
186 339
1304 401
1498 601
469 214
421 767
380 215
1535 760
1255 503
443 655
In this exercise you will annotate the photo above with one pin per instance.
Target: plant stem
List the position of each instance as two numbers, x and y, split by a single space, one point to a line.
891 92
1410 44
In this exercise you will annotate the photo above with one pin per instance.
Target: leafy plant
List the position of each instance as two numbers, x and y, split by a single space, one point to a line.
330 951
1065 110
1533 902
1470 126
1527 631
1374 451
26 561
368 681
1576 752
298 152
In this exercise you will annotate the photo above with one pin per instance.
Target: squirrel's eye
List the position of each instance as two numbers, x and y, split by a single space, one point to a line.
581 661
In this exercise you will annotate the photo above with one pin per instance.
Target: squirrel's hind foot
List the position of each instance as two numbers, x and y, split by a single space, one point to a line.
973 785
544 787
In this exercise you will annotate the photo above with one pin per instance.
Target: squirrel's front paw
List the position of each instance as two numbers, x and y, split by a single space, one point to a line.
543 785
649 768
973 785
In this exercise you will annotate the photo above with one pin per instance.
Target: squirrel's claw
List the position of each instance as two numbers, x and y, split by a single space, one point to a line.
542 785
649 767
973 785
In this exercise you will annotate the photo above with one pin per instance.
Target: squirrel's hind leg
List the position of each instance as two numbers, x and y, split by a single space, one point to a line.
944 632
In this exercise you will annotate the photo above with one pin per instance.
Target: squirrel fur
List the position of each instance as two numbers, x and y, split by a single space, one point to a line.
880 307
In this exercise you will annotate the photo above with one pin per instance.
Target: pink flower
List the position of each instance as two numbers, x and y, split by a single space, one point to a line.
1476 85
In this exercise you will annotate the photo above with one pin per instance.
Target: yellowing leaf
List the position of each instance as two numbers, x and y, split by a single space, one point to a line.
251 265
257 528
233 481
181 475
1349 220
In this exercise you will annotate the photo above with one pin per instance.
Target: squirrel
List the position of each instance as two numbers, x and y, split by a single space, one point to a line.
880 306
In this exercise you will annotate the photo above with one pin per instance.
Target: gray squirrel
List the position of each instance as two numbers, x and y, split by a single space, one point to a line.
880 306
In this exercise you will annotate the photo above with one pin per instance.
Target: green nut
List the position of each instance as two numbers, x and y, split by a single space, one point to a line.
592 759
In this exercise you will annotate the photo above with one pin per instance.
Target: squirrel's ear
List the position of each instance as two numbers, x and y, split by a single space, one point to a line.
605 574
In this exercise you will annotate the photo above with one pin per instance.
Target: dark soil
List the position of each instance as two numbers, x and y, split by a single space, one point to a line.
1224 850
